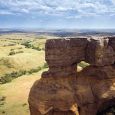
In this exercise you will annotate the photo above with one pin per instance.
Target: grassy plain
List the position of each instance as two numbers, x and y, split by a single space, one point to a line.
16 56
16 94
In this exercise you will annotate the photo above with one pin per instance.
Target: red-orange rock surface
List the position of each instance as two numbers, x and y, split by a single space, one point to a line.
63 91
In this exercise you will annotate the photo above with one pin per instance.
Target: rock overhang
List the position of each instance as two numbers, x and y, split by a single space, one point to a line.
98 51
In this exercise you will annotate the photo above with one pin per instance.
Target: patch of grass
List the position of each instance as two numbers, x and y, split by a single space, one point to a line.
3 112
83 64
5 79
45 65
2 100
36 48
24 104
34 70
29 45
9 77
22 61
14 52
5 62
17 94
41 37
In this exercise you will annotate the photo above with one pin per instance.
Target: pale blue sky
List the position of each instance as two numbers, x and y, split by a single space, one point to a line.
57 14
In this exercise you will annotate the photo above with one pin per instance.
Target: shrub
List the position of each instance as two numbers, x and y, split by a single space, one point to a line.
11 49
2 100
12 53
27 44
5 79
19 48
3 112
21 72
37 48
9 77
34 70
45 65
24 104
20 52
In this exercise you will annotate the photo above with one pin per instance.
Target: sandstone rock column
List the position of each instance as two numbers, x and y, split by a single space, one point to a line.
53 94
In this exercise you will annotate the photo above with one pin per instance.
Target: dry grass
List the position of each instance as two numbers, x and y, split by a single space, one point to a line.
16 94
22 61
27 59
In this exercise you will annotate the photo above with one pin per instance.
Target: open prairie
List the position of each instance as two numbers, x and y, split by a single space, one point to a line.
20 53
21 64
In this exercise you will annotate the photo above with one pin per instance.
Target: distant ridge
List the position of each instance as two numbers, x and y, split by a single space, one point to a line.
62 32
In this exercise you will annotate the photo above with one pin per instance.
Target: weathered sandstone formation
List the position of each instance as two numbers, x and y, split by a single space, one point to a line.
64 91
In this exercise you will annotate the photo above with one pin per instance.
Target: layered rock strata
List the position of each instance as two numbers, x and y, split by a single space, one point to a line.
64 91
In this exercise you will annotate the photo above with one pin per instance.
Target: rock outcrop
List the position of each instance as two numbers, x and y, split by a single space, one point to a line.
64 91
99 53
62 56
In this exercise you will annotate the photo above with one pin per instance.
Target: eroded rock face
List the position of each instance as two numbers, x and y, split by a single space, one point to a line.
112 42
65 52
99 52
63 91
53 94
62 55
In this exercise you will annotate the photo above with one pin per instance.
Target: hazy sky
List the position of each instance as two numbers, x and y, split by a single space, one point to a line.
57 13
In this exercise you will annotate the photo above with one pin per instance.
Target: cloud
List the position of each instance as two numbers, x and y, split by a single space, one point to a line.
5 12
113 1
69 8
